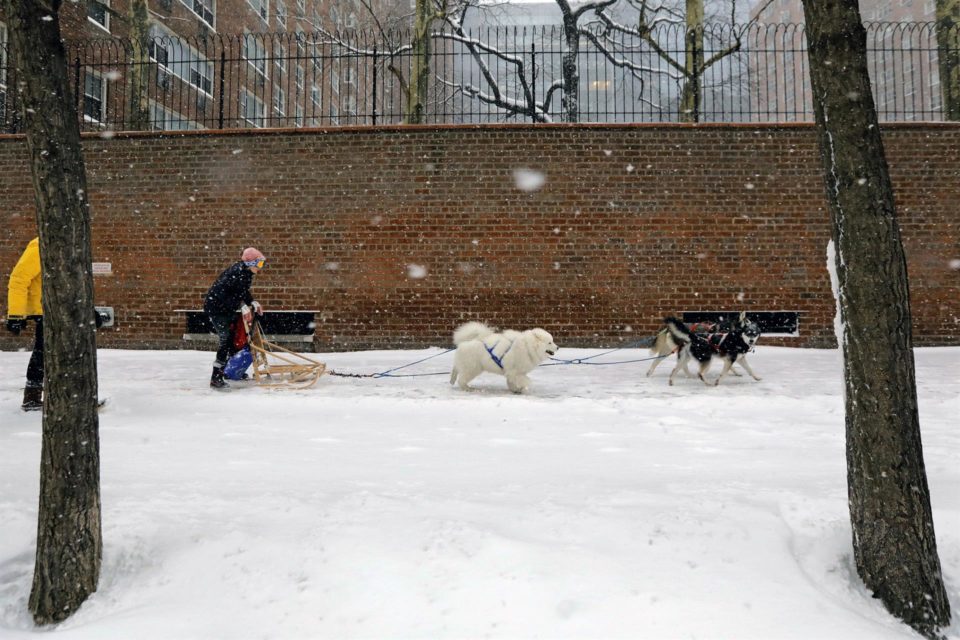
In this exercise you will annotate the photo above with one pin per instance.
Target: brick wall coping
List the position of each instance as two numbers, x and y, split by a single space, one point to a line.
523 126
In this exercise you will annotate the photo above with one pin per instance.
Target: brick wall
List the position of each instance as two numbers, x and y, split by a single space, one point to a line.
397 235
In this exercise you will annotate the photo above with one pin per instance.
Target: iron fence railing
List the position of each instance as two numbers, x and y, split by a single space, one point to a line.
490 74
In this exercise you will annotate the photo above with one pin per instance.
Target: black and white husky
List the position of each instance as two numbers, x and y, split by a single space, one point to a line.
731 346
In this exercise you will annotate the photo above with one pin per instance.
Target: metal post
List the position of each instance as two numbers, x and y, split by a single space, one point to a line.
223 64
374 115
533 77
78 89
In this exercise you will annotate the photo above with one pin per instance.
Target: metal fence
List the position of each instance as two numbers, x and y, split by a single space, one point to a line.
490 74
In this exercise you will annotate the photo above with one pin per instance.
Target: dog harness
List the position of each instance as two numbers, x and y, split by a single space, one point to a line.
498 361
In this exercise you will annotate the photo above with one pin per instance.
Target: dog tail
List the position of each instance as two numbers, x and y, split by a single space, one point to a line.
662 343
678 330
471 331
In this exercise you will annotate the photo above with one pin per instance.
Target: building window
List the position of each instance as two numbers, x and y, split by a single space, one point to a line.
164 119
205 9
301 7
280 59
281 14
298 118
278 101
299 79
261 7
97 13
252 109
350 105
315 100
301 44
255 51
94 96
174 57
3 72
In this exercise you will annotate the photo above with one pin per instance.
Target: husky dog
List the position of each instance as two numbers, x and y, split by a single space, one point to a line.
731 347
512 354
665 344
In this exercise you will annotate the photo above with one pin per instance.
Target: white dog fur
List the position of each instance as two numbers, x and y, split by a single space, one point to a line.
512 354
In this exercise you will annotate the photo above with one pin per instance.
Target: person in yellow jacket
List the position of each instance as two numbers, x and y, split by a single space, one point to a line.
23 304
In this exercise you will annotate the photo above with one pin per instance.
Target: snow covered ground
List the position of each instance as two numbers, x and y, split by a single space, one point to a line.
603 504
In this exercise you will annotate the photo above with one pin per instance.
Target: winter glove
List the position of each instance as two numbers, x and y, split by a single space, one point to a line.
247 314
257 308
16 325
97 318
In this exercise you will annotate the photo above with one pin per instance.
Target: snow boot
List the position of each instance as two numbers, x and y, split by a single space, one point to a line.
32 399
216 379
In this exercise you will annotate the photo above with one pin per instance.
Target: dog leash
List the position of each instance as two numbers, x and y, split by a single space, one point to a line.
389 372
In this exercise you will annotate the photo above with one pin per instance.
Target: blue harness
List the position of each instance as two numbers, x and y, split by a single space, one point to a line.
498 361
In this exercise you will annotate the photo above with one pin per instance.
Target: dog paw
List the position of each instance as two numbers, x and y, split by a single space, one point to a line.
757 378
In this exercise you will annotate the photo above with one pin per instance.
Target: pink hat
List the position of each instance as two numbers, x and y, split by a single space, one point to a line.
251 256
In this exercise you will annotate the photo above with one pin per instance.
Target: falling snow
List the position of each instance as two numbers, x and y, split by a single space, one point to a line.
528 179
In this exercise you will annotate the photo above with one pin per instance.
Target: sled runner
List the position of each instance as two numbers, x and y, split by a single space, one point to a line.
275 366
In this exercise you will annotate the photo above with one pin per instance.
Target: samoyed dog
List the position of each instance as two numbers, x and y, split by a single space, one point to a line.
512 354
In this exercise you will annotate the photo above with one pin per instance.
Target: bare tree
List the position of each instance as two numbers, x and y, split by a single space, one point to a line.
511 92
69 539
893 537
651 14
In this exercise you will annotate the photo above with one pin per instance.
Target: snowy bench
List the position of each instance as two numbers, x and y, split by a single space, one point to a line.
277 326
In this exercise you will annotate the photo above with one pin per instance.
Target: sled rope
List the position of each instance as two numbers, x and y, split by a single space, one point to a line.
389 372
629 345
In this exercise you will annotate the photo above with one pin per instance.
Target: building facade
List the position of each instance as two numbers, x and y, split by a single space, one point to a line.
902 57
206 64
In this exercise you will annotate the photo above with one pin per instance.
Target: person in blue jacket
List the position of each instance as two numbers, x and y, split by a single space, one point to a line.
229 294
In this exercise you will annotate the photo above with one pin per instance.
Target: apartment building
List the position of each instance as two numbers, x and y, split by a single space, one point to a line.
207 64
902 59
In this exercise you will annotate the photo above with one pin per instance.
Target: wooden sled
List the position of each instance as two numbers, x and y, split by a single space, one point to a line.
274 366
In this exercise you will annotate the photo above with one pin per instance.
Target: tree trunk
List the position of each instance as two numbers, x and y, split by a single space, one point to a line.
68 530
420 64
690 95
948 48
138 77
893 536
569 68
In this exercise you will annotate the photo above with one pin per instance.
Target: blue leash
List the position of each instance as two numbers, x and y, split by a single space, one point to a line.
556 362
388 373
635 343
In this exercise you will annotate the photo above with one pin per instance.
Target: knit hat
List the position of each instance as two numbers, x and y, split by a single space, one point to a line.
251 257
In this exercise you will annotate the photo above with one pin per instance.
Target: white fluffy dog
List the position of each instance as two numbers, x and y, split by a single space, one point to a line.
512 354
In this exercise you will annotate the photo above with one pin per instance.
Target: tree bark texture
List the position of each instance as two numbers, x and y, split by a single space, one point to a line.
139 73
690 96
948 58
569 65
893 535
69 542
420 64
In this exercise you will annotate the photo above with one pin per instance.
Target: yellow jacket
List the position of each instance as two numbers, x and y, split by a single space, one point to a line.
25 288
